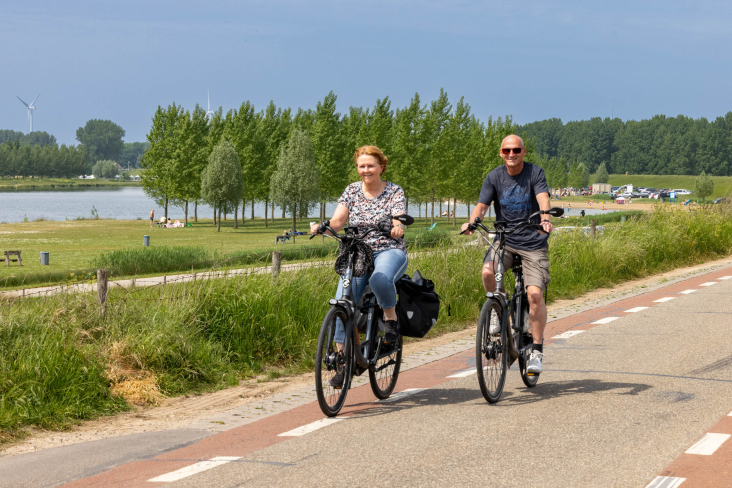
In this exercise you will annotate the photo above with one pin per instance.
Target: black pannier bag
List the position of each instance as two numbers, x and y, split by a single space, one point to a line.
418 305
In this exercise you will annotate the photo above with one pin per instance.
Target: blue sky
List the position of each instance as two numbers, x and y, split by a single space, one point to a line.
530 59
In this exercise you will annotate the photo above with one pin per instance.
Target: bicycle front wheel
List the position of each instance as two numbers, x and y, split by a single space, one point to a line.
329 364
491 354
384 374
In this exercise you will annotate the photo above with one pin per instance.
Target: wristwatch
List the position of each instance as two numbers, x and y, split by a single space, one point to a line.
400 225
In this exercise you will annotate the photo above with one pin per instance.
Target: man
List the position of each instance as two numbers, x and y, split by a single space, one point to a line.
518 189
152 216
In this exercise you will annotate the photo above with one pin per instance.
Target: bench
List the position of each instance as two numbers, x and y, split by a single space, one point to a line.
283 238
17 258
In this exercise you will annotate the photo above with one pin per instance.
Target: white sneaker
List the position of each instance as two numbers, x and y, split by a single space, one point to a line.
534 365
495 327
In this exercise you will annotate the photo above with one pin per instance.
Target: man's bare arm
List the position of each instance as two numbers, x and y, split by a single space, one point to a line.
479 211
545 204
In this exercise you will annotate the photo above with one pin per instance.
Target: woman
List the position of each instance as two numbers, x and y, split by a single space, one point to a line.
364 204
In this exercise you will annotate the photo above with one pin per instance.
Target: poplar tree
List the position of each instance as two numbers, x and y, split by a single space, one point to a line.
327 147
704 185
222 182
601 175
295 182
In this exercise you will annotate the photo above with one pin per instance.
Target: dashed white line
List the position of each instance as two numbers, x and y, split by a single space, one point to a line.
686 292
402 394
664 299
636 309
605 320
729 414
709 283
665 482
313 426
463 374
708 444
193 469
568 334
725 278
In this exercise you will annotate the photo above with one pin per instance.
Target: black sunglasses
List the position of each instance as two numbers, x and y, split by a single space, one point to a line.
507 150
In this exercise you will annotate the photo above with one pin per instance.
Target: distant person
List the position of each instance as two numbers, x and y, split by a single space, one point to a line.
152 216
582 213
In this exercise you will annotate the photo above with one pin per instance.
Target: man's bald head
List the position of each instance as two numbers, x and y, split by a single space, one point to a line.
513 152
512 140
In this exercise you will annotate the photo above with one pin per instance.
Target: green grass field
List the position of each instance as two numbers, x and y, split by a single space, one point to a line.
10 184
74 245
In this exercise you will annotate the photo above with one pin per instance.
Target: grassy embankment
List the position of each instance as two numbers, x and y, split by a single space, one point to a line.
61 360
24 184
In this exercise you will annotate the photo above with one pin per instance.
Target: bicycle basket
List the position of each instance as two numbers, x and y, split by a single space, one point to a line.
363 264
418 305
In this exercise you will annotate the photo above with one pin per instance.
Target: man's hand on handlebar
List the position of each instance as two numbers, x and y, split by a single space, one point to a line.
547 226
465 229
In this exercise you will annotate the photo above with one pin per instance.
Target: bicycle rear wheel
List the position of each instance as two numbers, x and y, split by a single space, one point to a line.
328 363
384 374
491 354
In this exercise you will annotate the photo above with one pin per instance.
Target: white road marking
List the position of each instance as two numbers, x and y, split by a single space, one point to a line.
463 374
665 482
605 320
729 414
568 334
401 394
708 444
709 283
725 278
664 299
636 309
686 292
313 426
193 469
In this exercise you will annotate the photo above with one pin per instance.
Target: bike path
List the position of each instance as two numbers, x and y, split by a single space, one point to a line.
619 403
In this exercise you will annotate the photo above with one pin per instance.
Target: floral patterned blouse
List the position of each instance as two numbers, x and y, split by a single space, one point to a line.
365 212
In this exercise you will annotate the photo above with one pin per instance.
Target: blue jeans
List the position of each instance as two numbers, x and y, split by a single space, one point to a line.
389 266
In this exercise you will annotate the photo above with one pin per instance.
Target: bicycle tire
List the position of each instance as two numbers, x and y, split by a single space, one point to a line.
491 353
384 374
526 338
328 362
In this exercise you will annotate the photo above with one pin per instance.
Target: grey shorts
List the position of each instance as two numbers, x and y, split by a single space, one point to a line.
535 264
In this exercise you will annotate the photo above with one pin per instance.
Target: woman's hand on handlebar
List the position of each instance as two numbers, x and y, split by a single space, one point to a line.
396 231
314 228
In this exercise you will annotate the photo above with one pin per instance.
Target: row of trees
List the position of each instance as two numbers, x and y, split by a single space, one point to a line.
35 138
438 150
660 145
50 161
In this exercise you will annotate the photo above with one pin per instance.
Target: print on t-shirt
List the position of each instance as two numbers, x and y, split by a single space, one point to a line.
515 202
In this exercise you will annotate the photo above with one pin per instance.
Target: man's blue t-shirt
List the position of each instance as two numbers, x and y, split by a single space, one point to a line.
514 200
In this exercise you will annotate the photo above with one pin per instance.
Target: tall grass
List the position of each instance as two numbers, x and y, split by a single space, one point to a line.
60 359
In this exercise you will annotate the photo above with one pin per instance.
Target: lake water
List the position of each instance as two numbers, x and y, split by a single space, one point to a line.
128 203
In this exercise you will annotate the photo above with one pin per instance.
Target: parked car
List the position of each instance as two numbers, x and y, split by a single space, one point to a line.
721 200
682 192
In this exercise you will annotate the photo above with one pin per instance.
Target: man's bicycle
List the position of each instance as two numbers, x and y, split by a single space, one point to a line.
506 316
364 348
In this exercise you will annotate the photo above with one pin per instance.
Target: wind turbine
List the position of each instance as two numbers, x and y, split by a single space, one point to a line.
31 108
209 112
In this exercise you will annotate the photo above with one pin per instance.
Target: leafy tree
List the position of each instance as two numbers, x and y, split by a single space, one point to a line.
585 177
576 172
242 129
704 185
222 182
295 183
102 139
158 179
327 146
409 148
105 169
274 128
601 175
132 153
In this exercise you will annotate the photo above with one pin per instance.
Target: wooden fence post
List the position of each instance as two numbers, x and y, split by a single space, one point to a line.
276 262
593 227
102 282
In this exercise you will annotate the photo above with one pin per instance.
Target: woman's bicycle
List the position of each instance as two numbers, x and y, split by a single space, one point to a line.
511 312
364 348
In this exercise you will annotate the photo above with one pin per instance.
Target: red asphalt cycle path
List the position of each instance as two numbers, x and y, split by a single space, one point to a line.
699 471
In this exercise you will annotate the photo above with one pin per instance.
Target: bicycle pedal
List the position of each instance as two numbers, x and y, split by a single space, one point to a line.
532 374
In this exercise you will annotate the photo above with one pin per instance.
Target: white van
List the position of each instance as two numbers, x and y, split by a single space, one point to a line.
682 192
